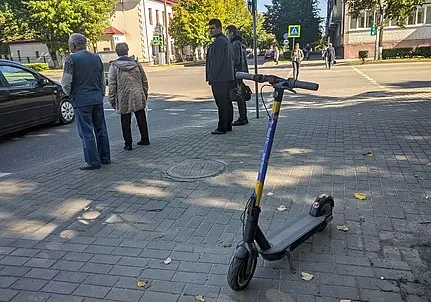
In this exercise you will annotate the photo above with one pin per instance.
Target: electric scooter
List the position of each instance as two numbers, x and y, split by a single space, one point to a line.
300 227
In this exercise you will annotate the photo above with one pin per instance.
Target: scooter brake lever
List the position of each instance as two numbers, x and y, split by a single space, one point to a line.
292 90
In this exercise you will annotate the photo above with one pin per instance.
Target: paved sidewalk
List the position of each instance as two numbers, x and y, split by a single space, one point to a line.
69 235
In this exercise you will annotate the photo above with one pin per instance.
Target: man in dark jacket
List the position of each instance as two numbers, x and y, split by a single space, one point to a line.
220 75
240 64
83 80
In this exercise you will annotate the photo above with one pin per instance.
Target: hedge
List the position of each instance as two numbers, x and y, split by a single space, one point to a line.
409 52
38 66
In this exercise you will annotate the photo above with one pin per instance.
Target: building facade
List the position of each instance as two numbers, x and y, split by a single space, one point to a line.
30 51
142 24
349 35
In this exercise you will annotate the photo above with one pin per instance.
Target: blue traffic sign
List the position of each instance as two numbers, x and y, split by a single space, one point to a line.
294 31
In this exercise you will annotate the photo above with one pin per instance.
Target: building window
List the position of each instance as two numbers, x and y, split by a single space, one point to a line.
361 20
157 17
170 16
420 15
353 23
150 15
370 19
428 15
163 16
37 54
411 20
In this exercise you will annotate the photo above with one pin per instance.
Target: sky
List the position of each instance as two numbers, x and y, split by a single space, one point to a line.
322 6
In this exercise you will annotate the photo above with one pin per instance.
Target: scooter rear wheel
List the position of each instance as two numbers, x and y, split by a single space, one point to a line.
237 277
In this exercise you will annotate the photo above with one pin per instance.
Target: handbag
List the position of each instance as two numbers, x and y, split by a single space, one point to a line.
240 92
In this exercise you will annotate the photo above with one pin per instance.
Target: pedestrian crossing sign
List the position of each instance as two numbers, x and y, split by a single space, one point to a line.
294 31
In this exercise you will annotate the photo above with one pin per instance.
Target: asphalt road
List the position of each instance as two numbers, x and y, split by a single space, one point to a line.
180 98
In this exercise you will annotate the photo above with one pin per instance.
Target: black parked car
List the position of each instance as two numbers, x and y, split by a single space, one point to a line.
28 98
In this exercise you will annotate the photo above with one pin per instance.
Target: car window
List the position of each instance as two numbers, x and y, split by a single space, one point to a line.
17 77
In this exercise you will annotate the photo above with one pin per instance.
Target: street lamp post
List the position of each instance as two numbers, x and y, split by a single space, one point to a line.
253 4
168 53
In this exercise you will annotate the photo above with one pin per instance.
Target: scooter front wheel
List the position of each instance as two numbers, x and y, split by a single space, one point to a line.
239 276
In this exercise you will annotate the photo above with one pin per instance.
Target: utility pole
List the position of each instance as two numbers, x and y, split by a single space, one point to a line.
168 52
256 85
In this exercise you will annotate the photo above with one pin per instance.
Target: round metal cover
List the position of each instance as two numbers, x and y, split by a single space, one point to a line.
197 168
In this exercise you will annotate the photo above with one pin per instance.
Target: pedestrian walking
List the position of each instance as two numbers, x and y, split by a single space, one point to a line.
307 51
128 93
220 75
297 57
240 64
276 54
84 82
329 56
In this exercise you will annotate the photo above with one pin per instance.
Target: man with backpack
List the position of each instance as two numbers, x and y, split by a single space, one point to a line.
240 64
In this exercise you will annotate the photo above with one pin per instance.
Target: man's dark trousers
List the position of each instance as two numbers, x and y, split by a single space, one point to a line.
224 104
90 121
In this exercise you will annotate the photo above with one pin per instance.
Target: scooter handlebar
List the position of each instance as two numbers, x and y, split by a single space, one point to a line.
305 85
289 83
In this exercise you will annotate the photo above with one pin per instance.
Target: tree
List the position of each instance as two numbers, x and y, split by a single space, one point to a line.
54 20
281 13
12 22
397 10
189 25
264 39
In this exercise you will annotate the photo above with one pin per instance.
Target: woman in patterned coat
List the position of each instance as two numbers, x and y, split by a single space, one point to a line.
128 93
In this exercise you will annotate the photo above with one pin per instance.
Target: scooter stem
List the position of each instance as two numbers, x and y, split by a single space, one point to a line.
278 97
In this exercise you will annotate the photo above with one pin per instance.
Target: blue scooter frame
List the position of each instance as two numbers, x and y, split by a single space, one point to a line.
301 228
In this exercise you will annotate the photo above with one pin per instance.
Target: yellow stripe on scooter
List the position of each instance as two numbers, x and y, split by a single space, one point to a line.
276 109
258 190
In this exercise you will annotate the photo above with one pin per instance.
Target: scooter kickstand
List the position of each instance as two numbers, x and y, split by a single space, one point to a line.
292 270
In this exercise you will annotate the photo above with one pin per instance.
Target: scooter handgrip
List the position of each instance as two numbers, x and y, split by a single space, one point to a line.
306 85
245 76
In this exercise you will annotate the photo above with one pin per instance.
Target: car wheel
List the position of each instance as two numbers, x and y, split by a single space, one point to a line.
66 112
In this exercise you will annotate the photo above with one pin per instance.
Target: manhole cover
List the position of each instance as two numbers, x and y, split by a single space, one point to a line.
196 168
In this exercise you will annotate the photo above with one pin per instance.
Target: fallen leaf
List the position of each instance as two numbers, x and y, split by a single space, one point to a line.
270 194
200 298
427 197
167 261
369 154
141 283
86 208
282 208
343 228
306 276
360 196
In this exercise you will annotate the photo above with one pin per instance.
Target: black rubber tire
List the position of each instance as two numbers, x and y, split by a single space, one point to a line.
66 114
235 277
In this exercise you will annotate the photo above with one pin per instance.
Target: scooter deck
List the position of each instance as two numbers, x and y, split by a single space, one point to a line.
297 230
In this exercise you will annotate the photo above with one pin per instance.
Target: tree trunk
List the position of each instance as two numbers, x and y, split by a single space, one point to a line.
54 58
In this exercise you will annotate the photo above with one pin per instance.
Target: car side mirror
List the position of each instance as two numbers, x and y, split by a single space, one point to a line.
43 82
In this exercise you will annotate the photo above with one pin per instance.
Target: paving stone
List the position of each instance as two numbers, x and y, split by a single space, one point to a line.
96 268
40 262
102 280
65 298
159 297
58 287
14 271
92 291
5 281
124 294
166 286
42 273
29 284
25 296
128 271
7 294
75 277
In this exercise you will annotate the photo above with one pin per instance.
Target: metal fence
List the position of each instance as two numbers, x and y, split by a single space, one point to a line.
34 59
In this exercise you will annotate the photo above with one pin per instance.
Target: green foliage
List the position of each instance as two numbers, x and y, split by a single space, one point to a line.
52 21
265 39
38 66
189 25
13 24
284 12
406 52
390 9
